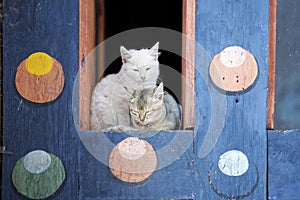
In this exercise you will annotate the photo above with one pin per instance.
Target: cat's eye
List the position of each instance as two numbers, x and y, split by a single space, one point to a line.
136 70
148 68
148 112
134 112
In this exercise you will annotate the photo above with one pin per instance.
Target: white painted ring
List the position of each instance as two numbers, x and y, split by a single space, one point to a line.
233 163
37 161
233 56
132 148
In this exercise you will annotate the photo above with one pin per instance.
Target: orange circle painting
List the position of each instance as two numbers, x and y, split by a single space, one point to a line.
234 69
40 78
133 160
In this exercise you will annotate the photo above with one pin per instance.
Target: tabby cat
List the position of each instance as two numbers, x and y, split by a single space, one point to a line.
109 107
152 109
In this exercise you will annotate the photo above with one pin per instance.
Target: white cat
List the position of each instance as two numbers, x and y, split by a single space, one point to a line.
109 102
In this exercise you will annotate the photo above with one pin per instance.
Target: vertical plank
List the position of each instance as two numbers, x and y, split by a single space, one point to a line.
50 27
272 64
220 24
101 20
87 69
188 51
100 38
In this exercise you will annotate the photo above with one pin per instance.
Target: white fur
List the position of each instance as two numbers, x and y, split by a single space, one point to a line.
109 102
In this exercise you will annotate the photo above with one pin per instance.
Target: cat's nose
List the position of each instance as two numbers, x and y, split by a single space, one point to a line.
142 118
143 78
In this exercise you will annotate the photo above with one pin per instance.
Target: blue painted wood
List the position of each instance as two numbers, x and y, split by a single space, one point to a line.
174 177
50 27
220 24
175 181
283 164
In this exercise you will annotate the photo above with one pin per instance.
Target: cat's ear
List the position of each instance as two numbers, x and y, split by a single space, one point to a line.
130 91
125 54
154 51
158 92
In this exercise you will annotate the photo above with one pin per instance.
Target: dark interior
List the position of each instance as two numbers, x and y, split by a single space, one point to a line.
129 14
287 90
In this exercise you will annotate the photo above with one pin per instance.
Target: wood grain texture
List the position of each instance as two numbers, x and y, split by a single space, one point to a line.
132 170
188 53
220 24
40 88
272 64
233 79
175 181
50 27
87 60
100 29
38 185
283 165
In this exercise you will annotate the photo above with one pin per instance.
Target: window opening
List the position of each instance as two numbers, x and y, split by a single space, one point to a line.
113 17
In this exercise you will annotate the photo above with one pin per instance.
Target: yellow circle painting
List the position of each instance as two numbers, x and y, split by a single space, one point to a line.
40 78
39 63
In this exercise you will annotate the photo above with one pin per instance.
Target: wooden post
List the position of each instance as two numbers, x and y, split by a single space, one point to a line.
87 67
50 27
188 51
272 64
235 168
100 29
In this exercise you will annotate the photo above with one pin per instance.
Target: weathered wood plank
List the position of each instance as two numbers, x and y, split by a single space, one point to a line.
272 64
220 24
283 164
87 60
51 27
100 23
174 181
188 52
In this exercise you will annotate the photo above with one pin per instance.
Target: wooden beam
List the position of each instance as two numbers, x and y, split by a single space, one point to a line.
188 52
48 126
86 74
272 64
283 164
243 132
